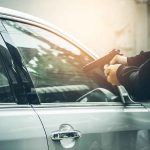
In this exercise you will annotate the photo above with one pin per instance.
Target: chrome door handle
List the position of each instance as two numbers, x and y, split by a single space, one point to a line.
59 135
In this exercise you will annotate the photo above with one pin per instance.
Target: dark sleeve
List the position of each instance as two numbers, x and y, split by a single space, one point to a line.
136 79
138 59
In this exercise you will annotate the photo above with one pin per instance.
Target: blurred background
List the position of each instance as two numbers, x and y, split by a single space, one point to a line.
99 24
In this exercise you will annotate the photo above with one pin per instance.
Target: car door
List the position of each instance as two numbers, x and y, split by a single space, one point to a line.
78 110
20 126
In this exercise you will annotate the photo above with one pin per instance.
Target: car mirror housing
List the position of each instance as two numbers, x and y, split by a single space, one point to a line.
98 95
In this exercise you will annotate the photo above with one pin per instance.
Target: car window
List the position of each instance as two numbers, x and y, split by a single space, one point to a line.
6 95
55 66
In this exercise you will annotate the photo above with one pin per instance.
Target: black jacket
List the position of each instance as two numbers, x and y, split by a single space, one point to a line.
136 76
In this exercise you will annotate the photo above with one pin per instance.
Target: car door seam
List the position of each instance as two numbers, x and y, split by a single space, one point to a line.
42 125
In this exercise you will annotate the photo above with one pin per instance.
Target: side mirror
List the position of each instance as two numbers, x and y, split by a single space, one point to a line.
126 99
98 95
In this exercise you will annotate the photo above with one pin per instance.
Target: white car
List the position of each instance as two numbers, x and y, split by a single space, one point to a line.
47 101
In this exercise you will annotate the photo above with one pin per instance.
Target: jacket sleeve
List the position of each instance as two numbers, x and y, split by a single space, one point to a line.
136 79
138 59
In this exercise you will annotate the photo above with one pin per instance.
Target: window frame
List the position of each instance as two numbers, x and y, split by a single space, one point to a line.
52 31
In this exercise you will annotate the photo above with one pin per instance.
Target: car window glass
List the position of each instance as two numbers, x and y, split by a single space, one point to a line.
6 95
55 65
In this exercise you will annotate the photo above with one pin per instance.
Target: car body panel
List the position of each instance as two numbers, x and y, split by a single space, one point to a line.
20 128
102 127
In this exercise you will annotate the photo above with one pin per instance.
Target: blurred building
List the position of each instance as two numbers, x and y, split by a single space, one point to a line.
99 24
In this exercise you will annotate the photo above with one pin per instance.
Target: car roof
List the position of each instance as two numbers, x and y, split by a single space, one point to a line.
6 13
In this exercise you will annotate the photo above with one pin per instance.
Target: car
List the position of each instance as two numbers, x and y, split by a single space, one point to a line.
48 101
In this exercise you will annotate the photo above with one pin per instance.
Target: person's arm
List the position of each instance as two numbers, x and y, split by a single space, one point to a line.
138 59
136 80
131 61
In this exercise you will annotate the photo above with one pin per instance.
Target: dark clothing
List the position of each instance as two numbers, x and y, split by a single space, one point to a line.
138 59
136 76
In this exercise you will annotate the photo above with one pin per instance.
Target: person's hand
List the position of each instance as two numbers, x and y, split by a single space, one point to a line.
119 59
110 72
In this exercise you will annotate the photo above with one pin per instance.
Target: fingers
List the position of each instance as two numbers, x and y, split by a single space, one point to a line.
119 59
108 79
110 73
114 60
105 66
106 70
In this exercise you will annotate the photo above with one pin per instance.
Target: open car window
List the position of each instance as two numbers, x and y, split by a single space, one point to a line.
55 67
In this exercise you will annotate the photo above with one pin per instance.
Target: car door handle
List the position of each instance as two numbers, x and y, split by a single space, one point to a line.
59 135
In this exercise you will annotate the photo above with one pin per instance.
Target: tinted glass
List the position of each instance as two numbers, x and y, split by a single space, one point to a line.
54 64
6 95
